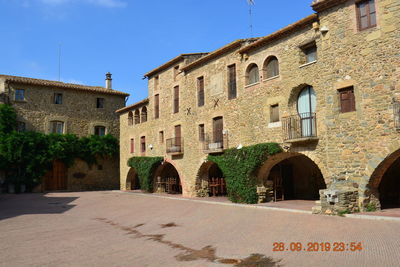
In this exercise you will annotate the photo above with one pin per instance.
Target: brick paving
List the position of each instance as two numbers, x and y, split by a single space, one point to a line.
115 229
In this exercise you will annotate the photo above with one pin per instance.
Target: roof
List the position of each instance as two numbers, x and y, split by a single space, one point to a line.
278 34
133 106
71 86
217 53
321 5
171 63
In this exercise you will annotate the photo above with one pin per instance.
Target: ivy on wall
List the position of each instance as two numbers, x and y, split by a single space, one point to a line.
26 156
145 168
239 167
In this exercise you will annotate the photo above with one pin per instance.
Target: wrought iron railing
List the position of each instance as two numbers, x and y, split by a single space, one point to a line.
396 110
211 144
175 145
303 125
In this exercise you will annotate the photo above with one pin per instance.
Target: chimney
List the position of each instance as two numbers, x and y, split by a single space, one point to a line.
108 80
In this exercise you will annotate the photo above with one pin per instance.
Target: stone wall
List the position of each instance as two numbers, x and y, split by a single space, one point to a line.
349 145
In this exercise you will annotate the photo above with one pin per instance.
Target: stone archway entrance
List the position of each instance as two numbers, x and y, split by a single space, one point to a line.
167 179
385 183
210 181
292 176
132 180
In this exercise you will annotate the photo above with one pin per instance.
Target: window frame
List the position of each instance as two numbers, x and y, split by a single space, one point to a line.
202 132
352 100
17 94
273 113
232 82
58 96
268 65
368 14
200 92
97 128
54 125
100 102
249 76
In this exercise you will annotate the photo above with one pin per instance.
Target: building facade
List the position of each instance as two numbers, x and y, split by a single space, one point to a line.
326 88
56 107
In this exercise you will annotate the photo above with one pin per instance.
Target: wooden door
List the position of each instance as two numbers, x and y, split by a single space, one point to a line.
218 127
178 135
56 179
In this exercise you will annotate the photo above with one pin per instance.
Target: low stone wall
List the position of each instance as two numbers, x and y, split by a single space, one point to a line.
336 202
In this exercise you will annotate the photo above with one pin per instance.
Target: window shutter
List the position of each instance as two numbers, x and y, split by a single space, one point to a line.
347 100
176 99
156 106
232 82
200 86
218 128
132 145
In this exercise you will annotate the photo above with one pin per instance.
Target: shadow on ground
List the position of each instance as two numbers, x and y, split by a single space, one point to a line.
187 254
22 204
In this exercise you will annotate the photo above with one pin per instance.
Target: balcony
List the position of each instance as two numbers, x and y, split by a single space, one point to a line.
211 145
300 128
396 111
175 146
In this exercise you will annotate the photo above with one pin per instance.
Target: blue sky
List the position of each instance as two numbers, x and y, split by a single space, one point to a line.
126 37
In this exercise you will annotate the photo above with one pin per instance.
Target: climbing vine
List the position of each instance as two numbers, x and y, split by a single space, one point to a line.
145 167
239 167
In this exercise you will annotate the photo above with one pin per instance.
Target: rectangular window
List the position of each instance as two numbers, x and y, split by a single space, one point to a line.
132 145
232 81
310 52
161 137
57 127
100 130
19 95
100 102
218 128
200 91
58 98
143 145
176 99
156 82
274 113
202 134
176 72
366 14
178 135
21 126
156 106
347 100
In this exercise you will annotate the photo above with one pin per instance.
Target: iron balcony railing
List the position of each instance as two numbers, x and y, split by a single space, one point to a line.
213 145
300 126
396 110
175 145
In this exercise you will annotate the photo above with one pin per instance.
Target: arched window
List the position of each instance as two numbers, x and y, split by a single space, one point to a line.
144 114
137 116
252 74
130 118
271 67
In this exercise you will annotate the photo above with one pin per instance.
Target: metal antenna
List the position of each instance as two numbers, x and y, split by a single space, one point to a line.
59 62
251 3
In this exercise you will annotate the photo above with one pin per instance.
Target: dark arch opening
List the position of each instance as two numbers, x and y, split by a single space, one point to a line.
296 177
132 180
210 180
389 187
167 180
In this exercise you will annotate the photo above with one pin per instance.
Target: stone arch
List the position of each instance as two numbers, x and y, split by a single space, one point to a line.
252 74
144 114
130 118
137 116
209 170
307 178
271 67
132 180
162 177
384 179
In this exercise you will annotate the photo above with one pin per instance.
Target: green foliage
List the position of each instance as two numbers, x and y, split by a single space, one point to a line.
343 212
145 167
239 167
8 119
371 207
27 156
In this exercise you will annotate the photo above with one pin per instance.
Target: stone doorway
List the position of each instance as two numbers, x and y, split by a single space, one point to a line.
167 179
132 180
294 177
210 181
389 187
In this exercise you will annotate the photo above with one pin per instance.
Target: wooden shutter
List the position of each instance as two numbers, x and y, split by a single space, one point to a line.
347 100
218 127
178 135
132 145
201 133
274 113
156 106
176 99
143 144
200 86
366 14
232 81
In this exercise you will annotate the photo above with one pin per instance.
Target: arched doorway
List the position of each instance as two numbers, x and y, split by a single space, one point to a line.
132 180
292 176
210 180
167 180
385 182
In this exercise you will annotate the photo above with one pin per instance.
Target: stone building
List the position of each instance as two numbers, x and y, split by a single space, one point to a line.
326 88
64 108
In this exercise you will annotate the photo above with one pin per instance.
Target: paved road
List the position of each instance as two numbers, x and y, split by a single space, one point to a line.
121 229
